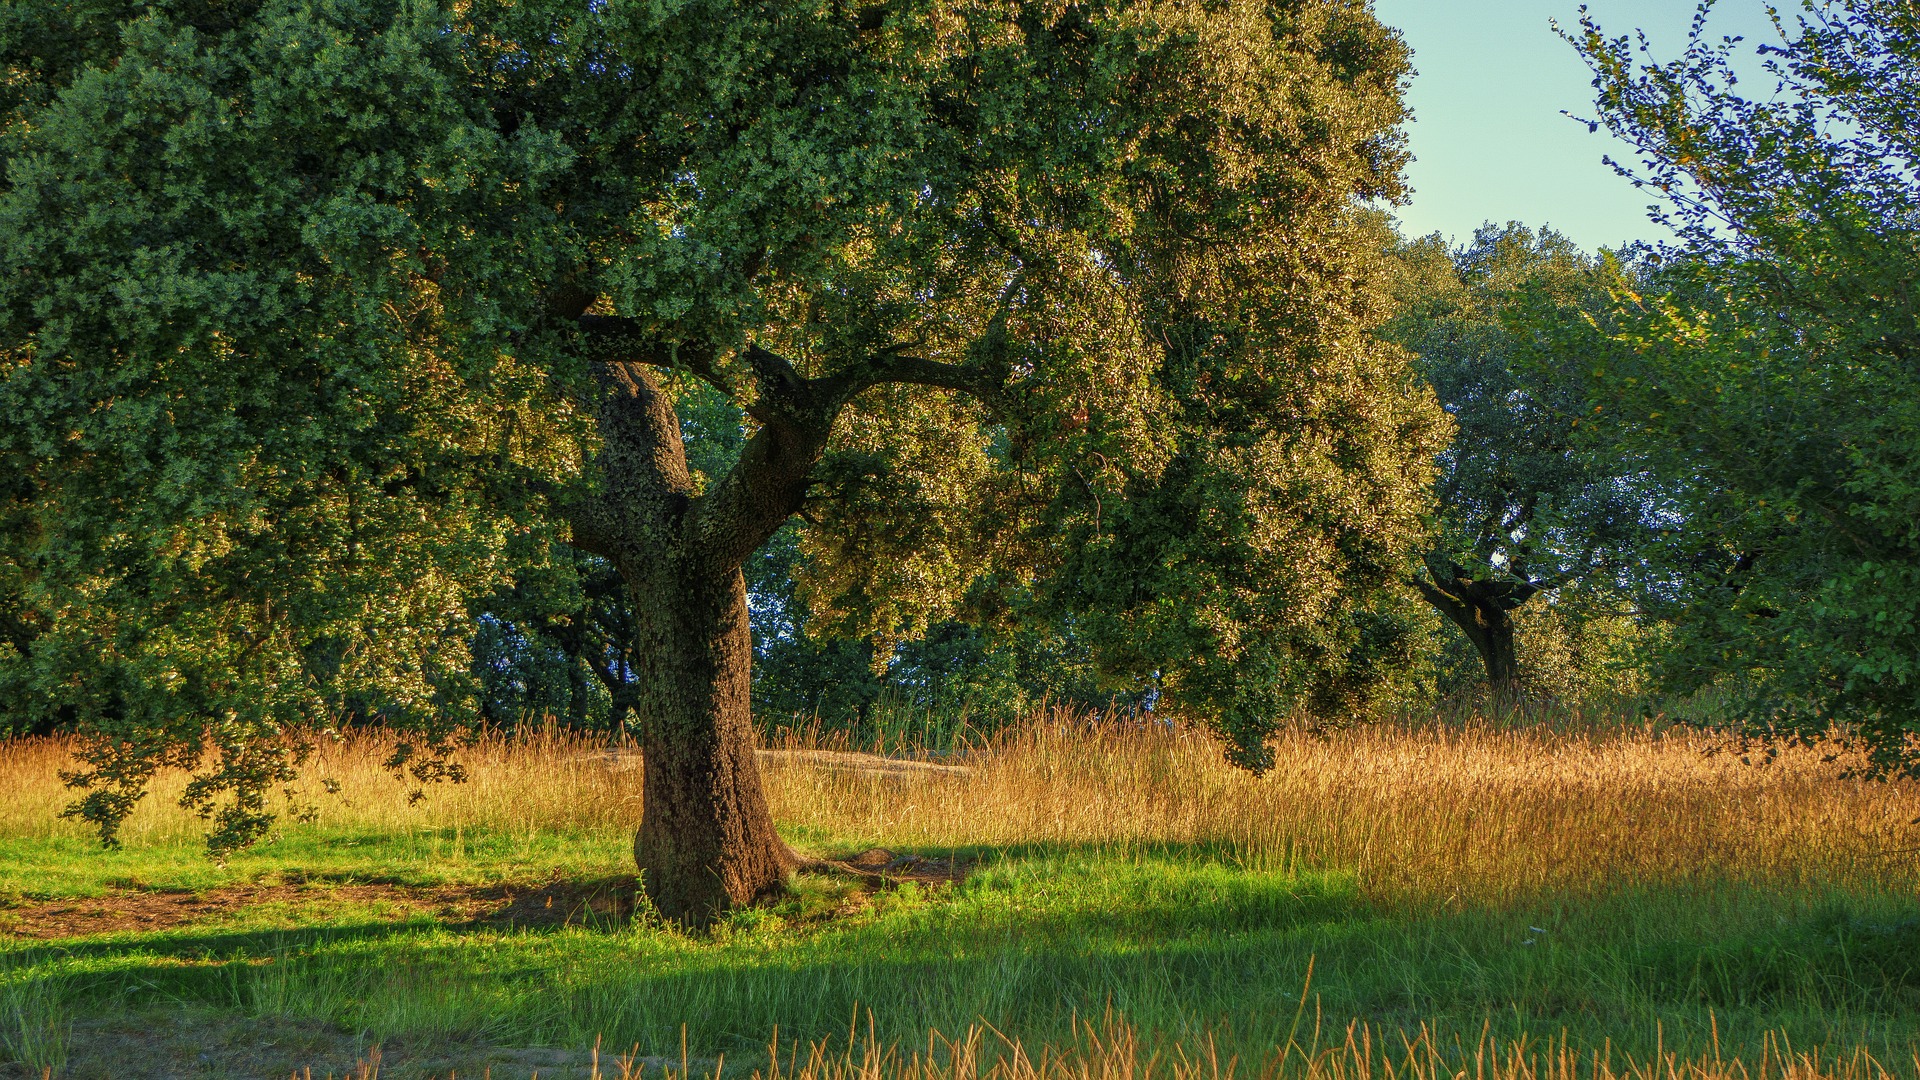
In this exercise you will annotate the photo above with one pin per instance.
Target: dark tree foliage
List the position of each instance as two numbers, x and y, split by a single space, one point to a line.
983 673
1773 375
555 648
1524 510
558 648
559 657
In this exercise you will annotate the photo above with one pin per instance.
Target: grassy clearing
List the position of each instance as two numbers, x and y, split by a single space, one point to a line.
1456 891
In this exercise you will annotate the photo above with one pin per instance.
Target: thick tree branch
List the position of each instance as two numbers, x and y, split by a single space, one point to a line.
644 489
585 532
784 396
616 339
758 494
768 483
1453 607
917 371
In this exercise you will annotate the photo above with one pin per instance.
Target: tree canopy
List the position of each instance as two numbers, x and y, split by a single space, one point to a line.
1770 372
1524 509
322 323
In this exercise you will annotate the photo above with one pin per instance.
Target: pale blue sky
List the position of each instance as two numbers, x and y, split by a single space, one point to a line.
1488 136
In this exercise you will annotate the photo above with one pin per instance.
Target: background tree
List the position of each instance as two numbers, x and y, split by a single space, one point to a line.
1771 372
1523 511
557 648
323 322
1255 575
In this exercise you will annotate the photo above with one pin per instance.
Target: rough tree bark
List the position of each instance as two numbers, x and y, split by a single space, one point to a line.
706 842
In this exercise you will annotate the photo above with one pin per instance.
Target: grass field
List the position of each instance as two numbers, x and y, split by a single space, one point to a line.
1424 902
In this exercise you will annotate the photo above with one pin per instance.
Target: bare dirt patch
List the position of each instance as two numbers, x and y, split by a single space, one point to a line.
548 905
878 866
555 903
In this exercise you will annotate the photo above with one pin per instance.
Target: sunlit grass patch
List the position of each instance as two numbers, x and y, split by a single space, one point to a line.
1614 889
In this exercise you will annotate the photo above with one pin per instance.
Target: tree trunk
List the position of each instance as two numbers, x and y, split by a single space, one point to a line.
1492 638
706 842
1483 610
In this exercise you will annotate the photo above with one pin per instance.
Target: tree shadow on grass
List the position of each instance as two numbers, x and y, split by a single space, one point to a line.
163 923
1035 934
172 923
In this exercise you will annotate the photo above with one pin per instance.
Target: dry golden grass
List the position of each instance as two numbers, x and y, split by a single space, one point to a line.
1113 1051
1470 813
541 781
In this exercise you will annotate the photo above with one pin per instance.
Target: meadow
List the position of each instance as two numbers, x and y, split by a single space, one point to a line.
1419 900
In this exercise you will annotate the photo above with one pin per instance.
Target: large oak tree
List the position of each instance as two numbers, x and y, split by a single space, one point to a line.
322 321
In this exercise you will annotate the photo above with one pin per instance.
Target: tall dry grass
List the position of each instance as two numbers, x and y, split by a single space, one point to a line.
1467 812
1470 813
535 781
1112 1050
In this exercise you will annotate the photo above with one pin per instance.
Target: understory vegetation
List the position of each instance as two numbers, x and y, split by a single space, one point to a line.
1564 897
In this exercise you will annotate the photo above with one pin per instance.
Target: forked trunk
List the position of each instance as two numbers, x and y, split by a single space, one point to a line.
706 842
1483 610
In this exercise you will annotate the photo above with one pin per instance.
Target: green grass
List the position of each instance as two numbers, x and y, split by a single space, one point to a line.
1620 891
1181 941
48 868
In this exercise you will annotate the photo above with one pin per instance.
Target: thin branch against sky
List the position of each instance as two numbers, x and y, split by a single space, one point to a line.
1489 137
